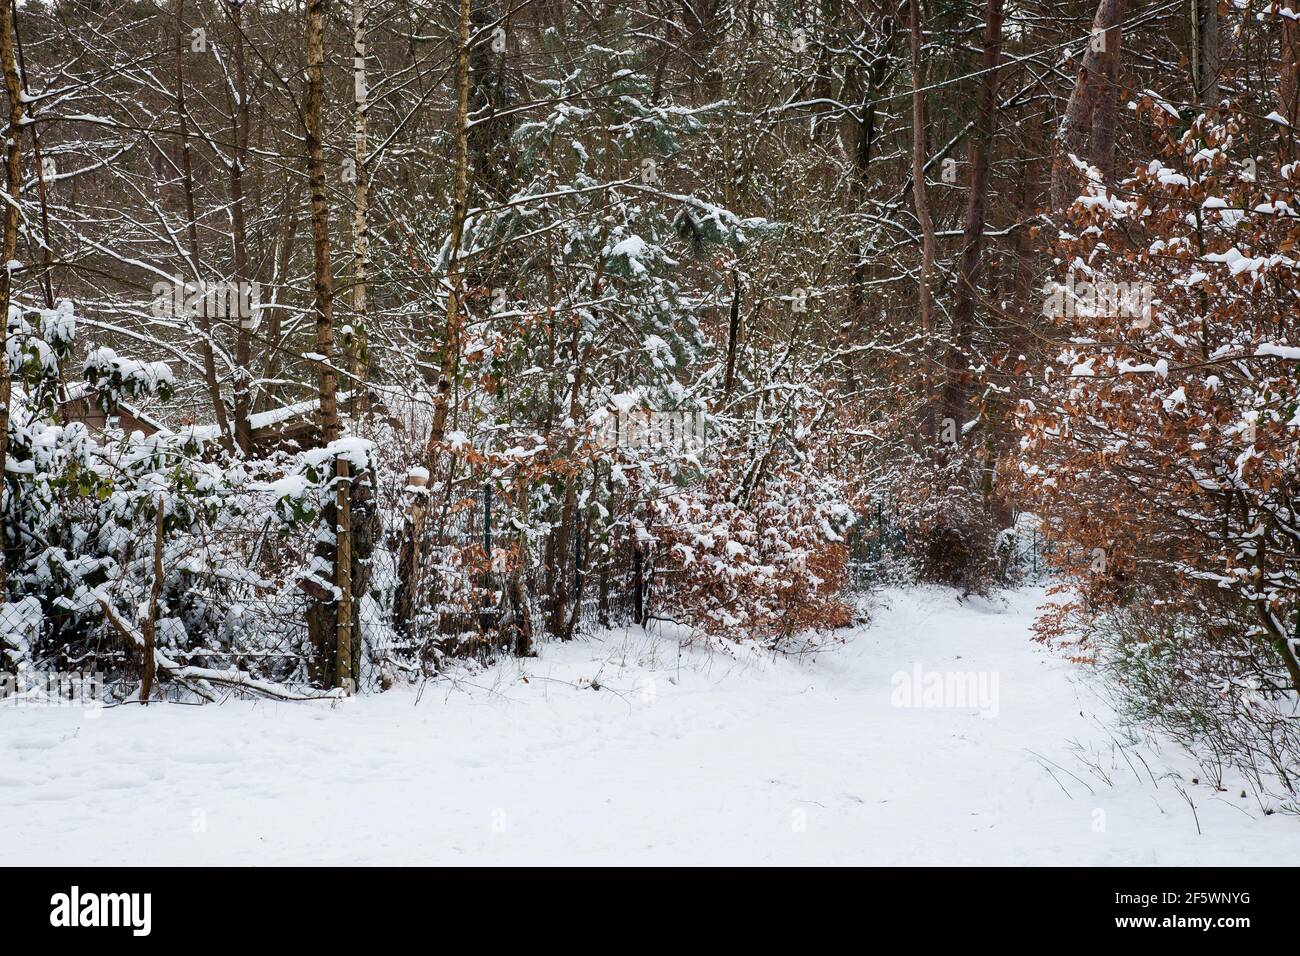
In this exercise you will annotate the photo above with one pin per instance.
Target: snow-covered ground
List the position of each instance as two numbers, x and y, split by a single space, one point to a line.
624 751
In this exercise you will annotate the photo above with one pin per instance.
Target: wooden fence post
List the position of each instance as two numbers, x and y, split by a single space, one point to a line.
149 667
408 559
343 579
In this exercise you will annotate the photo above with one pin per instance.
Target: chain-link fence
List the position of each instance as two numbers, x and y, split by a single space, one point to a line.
222 611
377 590
260 607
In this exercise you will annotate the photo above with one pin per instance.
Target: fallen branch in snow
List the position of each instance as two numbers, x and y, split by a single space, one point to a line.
202 681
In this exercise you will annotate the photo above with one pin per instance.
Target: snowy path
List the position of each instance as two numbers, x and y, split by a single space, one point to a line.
702 760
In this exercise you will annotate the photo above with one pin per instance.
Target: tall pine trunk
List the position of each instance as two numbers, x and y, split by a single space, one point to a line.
240 120
957 363
192 234
922 218
1288 92
1205 50
1095 82
450 345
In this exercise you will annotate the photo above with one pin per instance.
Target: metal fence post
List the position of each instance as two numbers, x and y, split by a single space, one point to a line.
485 611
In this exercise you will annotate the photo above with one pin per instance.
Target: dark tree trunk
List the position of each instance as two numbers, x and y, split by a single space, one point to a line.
980 148
1205 49
1095 81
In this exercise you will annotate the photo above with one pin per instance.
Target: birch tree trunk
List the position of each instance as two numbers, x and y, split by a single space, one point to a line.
336 617
14 188
323 281
349 619
361 205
